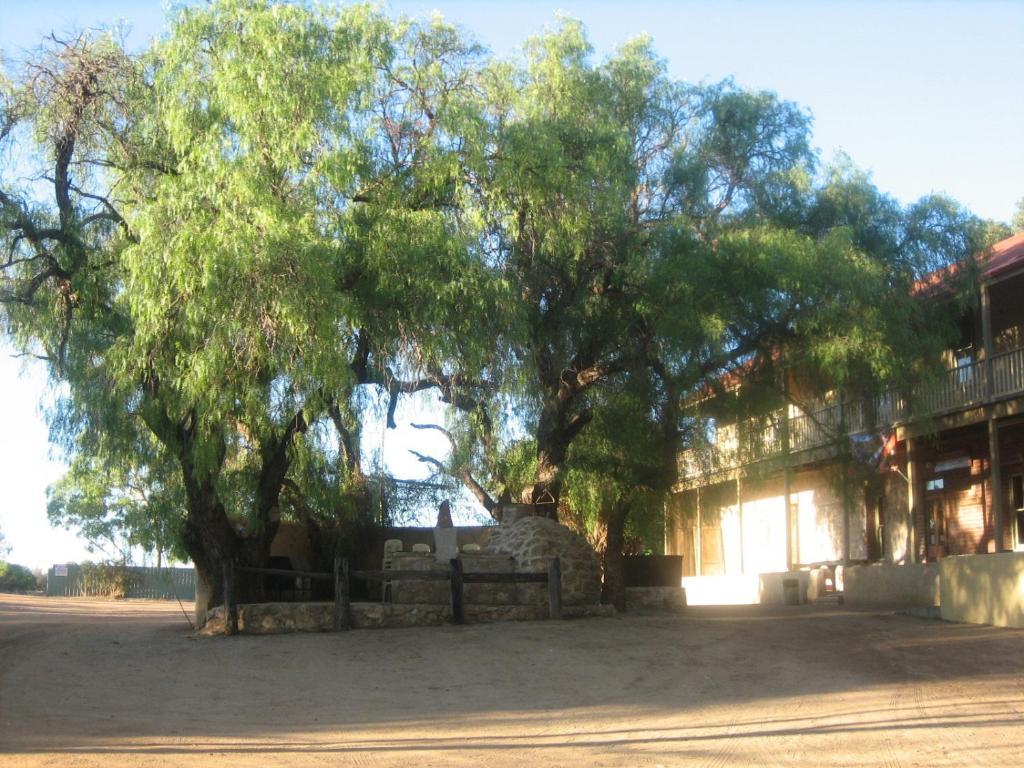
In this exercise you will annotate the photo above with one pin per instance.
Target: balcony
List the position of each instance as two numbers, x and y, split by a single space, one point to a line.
758 439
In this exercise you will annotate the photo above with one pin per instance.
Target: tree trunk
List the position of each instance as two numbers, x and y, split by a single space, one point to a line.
274 465
546 492
209 539
612 530
553 439
350 463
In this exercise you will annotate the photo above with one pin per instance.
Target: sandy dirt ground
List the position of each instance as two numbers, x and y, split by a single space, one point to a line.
97 683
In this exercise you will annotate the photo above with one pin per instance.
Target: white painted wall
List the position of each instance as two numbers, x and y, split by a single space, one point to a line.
983 589
764 535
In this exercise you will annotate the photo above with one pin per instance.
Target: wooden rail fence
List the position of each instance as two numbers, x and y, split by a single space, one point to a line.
342 577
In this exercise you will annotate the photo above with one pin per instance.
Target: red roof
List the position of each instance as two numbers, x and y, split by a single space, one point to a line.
1003 257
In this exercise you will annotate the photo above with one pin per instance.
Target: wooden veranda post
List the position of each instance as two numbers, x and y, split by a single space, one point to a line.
698 539
787 473
739 514
555 589
342 603
230 604
915 500
458 612
995 474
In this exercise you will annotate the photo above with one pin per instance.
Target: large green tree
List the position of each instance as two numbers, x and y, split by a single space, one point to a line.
659 236
231 245
246 224
604 180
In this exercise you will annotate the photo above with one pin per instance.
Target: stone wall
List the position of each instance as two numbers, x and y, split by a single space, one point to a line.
431 592
489 594
527 545
656 598
420 592
532 542
274 618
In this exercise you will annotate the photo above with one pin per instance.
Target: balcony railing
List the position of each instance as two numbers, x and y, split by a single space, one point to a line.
1007 372
959 388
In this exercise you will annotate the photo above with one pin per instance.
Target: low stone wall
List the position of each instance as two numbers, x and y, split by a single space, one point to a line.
275 618
419 592
656 598
892 585
983 589
491 594
438 592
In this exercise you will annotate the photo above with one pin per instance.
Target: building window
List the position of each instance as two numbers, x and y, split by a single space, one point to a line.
964 358
1017 508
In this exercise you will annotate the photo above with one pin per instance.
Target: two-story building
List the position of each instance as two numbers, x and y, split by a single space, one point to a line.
904 478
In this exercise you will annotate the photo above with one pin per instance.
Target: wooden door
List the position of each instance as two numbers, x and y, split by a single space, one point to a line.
935 527
875 527
712 560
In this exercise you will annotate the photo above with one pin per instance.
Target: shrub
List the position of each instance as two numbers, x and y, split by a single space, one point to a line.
16 578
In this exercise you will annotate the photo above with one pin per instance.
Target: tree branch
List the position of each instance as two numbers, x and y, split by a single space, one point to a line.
576 424
463 474
438 428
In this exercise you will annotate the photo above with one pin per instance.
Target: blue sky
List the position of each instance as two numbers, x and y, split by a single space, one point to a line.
928 96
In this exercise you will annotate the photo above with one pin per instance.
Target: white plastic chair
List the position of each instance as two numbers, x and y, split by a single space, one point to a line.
391 546
422 549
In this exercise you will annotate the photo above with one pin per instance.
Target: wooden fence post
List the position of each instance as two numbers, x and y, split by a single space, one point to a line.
458 614
555 589
342 605
230 606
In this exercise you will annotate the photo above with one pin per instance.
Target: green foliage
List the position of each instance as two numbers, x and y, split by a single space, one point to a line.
16 578
280 212
120 504
618 463
226 281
